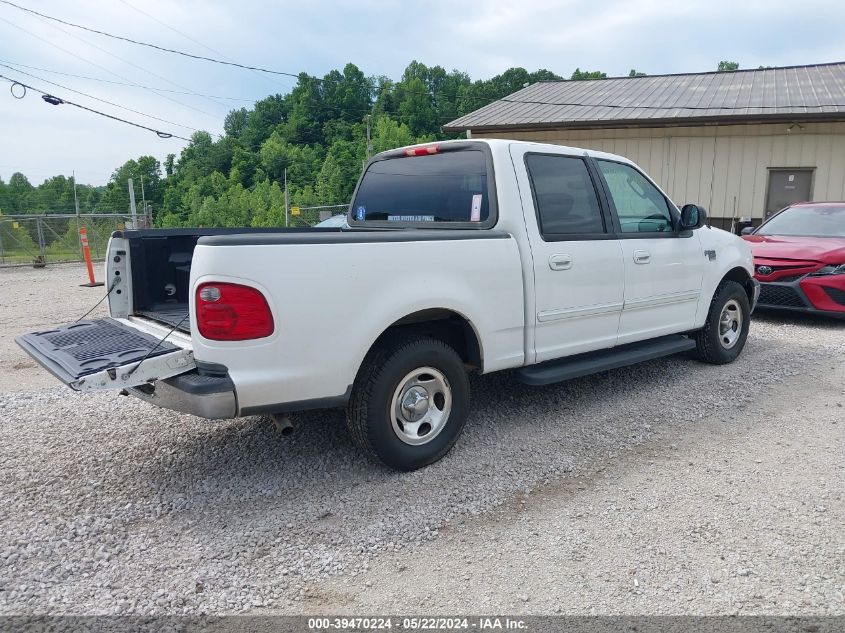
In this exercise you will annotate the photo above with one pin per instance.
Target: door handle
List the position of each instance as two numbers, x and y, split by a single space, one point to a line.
560 262
642 257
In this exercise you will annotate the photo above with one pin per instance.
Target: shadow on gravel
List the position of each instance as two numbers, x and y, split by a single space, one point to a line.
237 500
245 471
800 319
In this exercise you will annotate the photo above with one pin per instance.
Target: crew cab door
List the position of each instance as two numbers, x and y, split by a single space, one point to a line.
577 259
663 267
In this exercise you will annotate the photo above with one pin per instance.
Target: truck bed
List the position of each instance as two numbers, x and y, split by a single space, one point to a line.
161 268
174 316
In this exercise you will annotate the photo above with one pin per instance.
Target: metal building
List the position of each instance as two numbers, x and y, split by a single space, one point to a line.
742 144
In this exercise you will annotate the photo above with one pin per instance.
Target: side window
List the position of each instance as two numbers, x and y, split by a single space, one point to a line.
640 205
564 195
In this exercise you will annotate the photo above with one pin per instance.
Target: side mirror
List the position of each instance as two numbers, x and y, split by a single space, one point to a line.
692 217
748 230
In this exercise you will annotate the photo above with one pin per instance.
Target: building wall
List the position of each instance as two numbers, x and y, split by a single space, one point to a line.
722 167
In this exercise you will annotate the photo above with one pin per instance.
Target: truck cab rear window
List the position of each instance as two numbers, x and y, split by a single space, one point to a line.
447 187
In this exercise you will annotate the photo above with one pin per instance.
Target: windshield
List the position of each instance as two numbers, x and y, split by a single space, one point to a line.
811 221
447 187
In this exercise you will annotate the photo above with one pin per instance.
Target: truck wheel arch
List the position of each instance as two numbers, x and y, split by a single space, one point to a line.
741 276
444 324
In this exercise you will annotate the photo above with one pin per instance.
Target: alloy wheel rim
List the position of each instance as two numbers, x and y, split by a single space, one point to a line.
421 406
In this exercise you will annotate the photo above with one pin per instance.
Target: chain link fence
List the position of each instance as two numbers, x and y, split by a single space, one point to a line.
50 239
38 240
309 216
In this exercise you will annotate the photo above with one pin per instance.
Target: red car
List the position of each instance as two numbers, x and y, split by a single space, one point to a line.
799 258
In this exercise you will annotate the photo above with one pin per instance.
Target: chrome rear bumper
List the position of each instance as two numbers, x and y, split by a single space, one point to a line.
210 397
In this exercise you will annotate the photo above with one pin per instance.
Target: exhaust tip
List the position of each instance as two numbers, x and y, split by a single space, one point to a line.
283 425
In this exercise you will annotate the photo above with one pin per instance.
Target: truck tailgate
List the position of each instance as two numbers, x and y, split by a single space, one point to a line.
105 354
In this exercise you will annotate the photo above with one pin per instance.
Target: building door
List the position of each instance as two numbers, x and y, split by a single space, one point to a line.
788 186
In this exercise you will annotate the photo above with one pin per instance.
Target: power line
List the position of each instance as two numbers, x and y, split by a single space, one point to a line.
54 100
123 83
217 61
127 62
148 45
296 76
195 41
101 67
111 103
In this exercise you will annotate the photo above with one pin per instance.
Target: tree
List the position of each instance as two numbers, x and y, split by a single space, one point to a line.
389 134
581 75
236 122
146 169
339 173
725 66
260 121
346 96
635 73
316 133
18 194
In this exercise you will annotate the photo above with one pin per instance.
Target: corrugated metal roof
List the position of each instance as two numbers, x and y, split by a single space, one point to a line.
816 91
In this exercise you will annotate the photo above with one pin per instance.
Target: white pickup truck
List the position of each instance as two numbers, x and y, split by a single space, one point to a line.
460 256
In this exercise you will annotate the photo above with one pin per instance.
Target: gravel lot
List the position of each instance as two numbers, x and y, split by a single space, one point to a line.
670 487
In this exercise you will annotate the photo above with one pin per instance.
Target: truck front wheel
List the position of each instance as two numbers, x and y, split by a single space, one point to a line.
409 403
724 333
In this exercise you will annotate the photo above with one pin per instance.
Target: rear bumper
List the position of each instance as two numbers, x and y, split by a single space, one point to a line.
210 397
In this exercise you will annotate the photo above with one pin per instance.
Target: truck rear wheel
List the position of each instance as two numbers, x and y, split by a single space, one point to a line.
724 333
409 403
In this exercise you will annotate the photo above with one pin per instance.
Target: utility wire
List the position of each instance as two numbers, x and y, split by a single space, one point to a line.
294 75
195 41
122 83
227 63
101 67
54 100
148 45
111 103
125 61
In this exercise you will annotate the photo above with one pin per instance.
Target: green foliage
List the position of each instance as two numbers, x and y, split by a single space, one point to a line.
316 135
18 245
115 196
580 75
636 73
54 195
725 66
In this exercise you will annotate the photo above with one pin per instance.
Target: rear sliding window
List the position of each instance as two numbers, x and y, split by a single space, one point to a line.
447 187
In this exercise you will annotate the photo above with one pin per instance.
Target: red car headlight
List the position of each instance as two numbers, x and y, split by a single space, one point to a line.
830 269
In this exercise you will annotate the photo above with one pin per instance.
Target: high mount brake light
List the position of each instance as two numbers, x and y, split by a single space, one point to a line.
232 312
425 150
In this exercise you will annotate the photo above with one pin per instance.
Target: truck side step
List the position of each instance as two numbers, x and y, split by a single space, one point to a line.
593 362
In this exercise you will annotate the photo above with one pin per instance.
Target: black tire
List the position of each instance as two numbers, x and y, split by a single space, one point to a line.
710 342
370 412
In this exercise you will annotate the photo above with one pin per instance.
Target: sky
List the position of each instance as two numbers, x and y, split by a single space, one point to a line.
482 38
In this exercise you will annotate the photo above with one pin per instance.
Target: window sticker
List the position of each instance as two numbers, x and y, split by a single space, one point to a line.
410 218
361 213
475 211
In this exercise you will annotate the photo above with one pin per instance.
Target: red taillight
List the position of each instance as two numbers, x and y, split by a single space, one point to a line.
423 151
232 312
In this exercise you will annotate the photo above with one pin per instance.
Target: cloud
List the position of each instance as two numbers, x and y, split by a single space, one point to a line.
481 37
